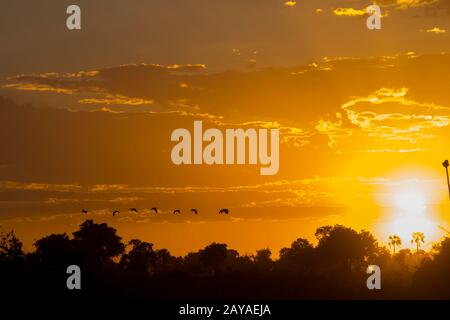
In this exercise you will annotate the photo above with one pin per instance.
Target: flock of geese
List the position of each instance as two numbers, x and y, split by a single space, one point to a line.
155 210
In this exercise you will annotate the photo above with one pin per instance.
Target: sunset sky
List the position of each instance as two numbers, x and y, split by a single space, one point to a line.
86 118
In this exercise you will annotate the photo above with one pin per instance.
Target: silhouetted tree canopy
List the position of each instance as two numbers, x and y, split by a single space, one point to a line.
97 242
10 247
56 251
140 259
300 253
335 267
213 256
339 244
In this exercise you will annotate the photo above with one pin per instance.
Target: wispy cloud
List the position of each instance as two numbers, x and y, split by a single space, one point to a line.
349 12
110 99
111 86
405 4
399 118
38 87
436 30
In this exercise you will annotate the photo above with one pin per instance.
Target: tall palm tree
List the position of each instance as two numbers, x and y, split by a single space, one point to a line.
446 164
418 238
394 241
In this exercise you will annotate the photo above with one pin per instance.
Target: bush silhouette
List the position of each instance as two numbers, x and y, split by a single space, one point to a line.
333 268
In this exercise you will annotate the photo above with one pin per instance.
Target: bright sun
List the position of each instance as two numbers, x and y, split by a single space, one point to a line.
410 203
411 216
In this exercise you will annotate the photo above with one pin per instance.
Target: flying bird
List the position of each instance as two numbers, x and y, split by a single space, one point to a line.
154 209
115 212
84 211
133 209
194 211
226 211
176 211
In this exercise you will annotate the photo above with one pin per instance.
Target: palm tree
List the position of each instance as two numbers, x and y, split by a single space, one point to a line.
418 238
394 241
446 164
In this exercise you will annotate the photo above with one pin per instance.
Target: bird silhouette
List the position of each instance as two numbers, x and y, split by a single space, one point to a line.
115 212
176 211
226 211
194 211
84 211
154 209
133 209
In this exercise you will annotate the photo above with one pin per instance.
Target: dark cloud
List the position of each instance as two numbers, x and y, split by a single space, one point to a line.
116 32
102 145
439 7
241 96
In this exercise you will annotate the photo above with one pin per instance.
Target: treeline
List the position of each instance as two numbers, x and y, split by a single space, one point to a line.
335 268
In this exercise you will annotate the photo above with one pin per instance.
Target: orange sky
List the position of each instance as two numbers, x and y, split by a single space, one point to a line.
363 118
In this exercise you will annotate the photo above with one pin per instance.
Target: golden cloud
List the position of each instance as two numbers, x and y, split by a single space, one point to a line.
404 123
38 87
436 30
116 100
290 3
405 4
349 12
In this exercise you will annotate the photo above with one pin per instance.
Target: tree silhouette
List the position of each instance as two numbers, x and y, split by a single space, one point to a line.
213 256
140 259
446 164
97 243
165 262
432 278
300 253
418 238
344 246
334 268
10 247
394 242
263 256
56 251
14 275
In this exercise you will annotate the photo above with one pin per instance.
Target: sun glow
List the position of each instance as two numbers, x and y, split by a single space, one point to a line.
411 215
411 204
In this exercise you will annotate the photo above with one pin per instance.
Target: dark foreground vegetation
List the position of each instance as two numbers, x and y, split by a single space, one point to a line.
333 269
